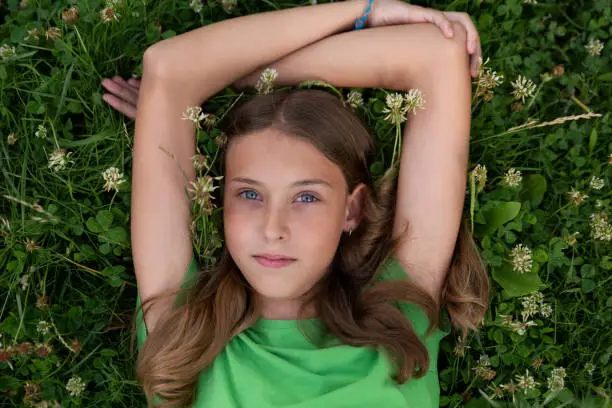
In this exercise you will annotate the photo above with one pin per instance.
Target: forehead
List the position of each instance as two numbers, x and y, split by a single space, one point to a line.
270 156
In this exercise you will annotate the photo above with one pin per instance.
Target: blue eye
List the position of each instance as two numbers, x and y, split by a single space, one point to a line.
308 198
249 194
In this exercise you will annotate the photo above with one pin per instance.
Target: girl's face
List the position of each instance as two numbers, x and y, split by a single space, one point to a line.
285 208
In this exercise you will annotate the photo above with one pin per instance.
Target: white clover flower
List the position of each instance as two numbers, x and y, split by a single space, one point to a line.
505 319
112 179
511 388
7 51
546 310
200 162
521 258
526 382
556 379
53 33
75 386
71 15
594 46
589 368
201 190
31 245
109 14
58 159
41 132
534 304
414 100
196 5
537 297
482 368
570 239
513 178
480 175
600 228
395 108
486 78
530 307
523 88
11 139
530 1
228 5
460 347
5 226
596 183
193 114
209 119
43 327
521 327
598 203
24 282
576 197
355 99
33 33
267 78
221 140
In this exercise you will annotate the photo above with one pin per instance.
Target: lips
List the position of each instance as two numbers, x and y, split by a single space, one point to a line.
273 261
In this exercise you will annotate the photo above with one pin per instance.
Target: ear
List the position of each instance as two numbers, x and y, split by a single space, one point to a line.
354 207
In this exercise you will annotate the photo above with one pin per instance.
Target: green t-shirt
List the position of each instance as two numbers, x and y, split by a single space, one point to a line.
272 364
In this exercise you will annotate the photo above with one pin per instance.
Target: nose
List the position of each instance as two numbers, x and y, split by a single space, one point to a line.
275 225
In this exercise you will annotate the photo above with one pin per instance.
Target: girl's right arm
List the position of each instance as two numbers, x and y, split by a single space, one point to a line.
184 71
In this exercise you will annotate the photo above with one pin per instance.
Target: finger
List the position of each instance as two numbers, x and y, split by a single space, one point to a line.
134 82
439 18
478 60
121 90
465 20
126 84
120 105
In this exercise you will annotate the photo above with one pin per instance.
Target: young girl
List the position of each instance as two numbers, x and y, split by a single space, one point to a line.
329 288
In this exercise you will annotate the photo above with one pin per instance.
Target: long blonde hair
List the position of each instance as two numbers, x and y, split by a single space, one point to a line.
354 307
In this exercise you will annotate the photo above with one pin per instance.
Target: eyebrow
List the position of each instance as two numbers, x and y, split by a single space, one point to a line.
299 183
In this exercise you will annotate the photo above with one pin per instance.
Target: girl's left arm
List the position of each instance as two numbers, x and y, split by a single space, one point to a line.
389 57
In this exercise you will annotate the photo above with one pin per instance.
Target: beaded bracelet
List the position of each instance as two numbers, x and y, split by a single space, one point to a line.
359 24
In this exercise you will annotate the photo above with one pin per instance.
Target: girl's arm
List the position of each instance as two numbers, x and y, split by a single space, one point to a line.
389 57
208 59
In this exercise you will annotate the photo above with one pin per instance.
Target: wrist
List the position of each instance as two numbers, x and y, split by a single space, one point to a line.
364 18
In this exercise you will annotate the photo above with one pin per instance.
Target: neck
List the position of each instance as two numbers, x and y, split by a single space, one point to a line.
284 309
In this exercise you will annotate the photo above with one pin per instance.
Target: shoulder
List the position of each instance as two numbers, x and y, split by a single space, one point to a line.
392 269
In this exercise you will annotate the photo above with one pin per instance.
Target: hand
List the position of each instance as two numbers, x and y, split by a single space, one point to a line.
123 95
392 12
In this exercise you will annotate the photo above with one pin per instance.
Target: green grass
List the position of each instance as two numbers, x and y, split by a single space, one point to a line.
71 238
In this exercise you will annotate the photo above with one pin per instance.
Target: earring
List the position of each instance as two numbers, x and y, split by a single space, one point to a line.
350 231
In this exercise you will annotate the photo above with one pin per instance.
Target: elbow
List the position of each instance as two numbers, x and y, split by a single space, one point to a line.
435 54
154 62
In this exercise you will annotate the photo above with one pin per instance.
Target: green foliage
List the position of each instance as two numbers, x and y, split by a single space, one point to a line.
65 245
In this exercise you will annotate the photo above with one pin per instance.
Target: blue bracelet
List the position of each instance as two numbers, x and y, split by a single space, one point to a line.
359 24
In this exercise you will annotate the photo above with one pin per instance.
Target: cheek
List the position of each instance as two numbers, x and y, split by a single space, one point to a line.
236 225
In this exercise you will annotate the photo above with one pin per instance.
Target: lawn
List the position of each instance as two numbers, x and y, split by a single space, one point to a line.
538 198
